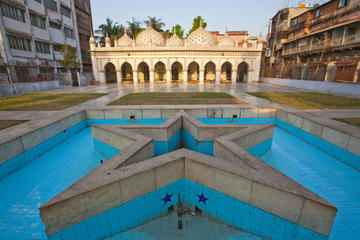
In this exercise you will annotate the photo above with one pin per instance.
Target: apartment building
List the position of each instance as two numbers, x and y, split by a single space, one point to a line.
322 44
85 28
32 34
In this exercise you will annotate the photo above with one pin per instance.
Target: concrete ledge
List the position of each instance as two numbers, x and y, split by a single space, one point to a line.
23 88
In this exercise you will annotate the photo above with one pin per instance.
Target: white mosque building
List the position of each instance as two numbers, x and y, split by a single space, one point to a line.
200 58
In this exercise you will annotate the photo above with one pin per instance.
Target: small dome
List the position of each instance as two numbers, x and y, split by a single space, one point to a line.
174 41
125 41
226 41
201 37
150 37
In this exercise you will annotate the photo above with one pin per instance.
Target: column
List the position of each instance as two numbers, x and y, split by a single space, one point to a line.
102 76
152 76
119 76
201 77
168 76
357 73
304 72
217 78
185 76
330 75
135 77
233 77
95 68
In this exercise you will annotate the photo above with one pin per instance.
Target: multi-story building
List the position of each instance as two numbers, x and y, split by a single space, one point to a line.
31 35
85 28
323 44
279 31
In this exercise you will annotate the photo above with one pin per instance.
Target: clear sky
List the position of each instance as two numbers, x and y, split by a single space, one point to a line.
250 15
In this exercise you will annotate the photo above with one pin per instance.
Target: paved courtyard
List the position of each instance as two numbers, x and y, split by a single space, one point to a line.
116 91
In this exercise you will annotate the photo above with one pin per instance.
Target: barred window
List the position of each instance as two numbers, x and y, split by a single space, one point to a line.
66 12
69 33
37 21
85 54
51 4
57 47
19 43
42 47
12 12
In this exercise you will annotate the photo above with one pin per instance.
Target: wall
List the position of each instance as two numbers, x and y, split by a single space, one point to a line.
23 88
85 78
327 87
64 79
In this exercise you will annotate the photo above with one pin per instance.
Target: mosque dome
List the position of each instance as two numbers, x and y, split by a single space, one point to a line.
226 41
150 37
201 37
125 41
174 41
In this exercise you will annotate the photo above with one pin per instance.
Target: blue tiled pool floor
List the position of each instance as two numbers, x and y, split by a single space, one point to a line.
198 227
333 180
39 181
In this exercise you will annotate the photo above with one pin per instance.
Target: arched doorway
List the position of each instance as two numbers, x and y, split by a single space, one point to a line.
127 73
177 72
242 72
225 76
160 72
110 73
210 72
143 73
193 72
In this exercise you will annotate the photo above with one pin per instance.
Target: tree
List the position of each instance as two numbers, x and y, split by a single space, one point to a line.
113 29
70 60
133 27
196 24
156 23
178 30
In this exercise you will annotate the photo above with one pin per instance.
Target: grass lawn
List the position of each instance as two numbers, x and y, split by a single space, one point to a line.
351 121
156 98
45 101
309 100
9 123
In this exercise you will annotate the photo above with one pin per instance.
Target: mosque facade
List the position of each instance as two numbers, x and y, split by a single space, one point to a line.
200 58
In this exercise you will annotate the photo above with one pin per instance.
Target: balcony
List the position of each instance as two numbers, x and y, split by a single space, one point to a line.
70 41
20 53
67 21
58 55
66 3
57 36
40 33
351 39
36 7
44 56
15 26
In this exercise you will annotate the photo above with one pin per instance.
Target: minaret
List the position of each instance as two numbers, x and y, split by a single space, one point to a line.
92 42
107 40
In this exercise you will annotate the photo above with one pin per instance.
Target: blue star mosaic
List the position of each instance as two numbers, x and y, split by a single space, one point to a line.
202 198
167 198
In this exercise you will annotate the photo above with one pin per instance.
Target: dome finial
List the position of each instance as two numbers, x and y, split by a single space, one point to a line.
150 22
226 31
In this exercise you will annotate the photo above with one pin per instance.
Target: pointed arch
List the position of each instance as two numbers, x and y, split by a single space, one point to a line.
110 73
193 72
127 73
177 71
143 72
210 72
225 75
160 72
242 72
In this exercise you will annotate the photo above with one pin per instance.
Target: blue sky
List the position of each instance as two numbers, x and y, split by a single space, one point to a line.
250 15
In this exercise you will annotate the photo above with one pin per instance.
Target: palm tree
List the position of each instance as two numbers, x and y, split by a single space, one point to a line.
196 24
133 27
113 29
178 30
156 23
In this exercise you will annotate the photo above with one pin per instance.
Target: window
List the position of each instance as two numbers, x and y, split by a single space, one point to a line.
51 4
42 47
294 22
12 12
85 54
69 33
343 3
19 43
37 21
57 47
55 25
318 13
39 1
66 12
